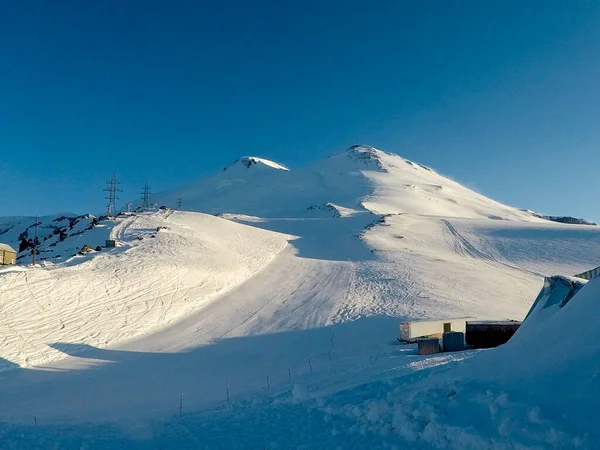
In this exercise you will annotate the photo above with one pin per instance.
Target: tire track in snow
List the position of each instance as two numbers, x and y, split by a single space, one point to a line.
465 247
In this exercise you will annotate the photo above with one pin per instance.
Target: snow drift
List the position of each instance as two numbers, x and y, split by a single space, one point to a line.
556 293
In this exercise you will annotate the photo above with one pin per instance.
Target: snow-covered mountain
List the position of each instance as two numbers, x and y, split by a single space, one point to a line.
249 161
358 179
283 309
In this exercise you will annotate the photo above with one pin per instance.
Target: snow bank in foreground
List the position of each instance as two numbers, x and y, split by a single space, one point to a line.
540 390
556 293
557 363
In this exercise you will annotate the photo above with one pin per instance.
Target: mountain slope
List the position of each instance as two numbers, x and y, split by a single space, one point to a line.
296 291
149 280
361 178
59 236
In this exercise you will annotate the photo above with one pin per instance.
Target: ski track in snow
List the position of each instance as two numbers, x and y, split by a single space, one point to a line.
125 292
465 247
221 298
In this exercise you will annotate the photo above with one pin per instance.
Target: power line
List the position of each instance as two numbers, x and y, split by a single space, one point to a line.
35 241
113 190
146 197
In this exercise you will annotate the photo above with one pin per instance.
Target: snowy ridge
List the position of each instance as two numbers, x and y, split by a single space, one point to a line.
361 178
367 155
249 161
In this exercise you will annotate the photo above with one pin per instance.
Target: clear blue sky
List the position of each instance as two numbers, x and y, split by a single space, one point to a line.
503 96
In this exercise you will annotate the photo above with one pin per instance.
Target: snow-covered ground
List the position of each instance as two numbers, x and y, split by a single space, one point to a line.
60 236
274 325
151 279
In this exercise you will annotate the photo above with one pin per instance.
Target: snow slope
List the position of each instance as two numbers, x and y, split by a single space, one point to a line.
547 248
359 178
150 280
325 276
60 236
288 305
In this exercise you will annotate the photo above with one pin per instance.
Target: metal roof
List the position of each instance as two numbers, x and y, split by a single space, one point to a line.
6 248
589 275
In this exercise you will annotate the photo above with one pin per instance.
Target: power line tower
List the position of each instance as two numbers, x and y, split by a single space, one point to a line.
35 241
146 197
180 203
129 207
113 189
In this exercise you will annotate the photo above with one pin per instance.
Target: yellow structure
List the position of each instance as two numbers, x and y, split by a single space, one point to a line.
8 255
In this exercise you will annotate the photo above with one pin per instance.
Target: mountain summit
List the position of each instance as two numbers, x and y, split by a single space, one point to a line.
359 179
251 161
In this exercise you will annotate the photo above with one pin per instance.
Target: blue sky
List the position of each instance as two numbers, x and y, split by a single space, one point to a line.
502 96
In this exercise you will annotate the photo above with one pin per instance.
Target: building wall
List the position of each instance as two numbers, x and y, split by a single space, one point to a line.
416 329
7 257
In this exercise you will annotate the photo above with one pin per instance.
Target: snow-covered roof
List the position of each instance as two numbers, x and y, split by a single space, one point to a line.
7 248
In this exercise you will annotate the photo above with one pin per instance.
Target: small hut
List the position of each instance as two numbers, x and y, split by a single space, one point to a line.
8 255
411 331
